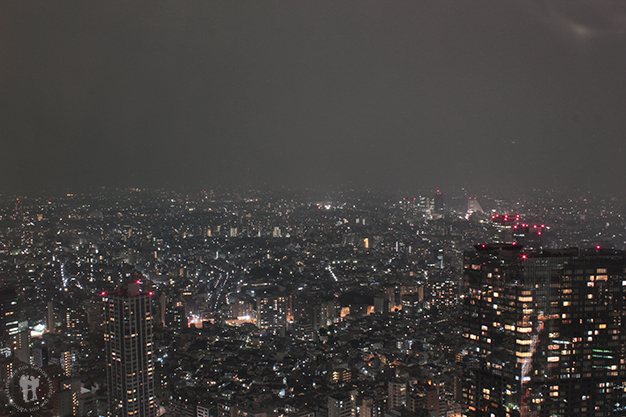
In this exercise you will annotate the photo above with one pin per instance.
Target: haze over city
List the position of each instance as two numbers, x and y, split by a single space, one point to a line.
491 96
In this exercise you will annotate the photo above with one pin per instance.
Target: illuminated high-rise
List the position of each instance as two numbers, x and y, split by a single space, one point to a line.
129 350
544 332
272 309
9 320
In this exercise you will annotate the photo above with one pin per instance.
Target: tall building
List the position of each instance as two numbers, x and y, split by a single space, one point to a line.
68 358
544 332
424 206
473 206
21 342
41 356
439 203
397 393
50 324
129 352
66 398
271 307
9 320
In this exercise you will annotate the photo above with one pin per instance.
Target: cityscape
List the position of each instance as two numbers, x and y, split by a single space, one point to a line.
139 302
310 208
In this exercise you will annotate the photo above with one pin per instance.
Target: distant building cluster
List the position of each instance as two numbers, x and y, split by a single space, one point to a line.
223 304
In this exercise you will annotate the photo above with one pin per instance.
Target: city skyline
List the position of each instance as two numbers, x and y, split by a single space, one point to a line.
493 95
283 305
313 208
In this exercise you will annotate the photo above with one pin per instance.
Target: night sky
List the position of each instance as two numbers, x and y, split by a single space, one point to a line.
417 95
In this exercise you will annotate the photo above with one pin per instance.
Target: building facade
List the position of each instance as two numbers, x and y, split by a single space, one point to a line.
544 332
272 309
342 404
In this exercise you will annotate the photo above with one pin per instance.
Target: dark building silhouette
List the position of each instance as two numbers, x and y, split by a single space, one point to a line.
439 203
544 332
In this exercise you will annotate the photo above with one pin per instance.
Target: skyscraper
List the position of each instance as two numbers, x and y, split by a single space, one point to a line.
439 202
129 352
14 333
544 332
9 321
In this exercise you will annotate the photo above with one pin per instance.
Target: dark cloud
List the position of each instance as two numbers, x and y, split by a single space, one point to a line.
298 93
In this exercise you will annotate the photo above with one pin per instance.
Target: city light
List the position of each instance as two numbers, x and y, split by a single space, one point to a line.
351 288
